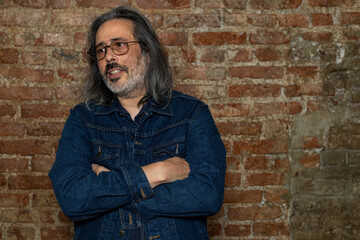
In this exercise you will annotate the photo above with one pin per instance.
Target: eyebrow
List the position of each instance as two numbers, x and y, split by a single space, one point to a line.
111 40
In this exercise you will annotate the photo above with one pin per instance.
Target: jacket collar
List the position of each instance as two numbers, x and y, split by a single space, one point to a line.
149 107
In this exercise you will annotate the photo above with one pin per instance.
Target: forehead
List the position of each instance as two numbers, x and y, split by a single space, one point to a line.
115 28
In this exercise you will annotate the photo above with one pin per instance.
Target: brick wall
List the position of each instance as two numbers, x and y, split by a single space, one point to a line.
282 79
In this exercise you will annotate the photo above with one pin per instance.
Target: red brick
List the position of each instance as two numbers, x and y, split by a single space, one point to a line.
322 19
29 19
310 160
310 142
45 129
282 165
32 4
266 229
204 73
303 71
56 39
330 3
27 215
34 58
21 232
80 38
7 110
289 108
237 230
256 72
228 4
8 56
60 4
42 164
265 179
232 163
31 75
156 20
254 213
11 129
203 91
13 165
275 4
232 179
239 55
68 56
44 198
321 37
25 93
14 200
48 111
236 19
219 38
192 20
267 54
239 128
2 180
72 19
230 110
213 55
308 89
53 233
256 163
242 196
351 34
4 37
101 3
351 18
73 74
25 147
269 37
163 4
28 39
262 20
189 55
174 38
261 146
277 195
26 182
258 90
313 106
293 20
68 93
214 229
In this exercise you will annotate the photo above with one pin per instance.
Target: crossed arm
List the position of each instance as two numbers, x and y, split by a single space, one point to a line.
157 173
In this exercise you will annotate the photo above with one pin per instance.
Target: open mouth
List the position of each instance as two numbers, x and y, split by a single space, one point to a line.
114 71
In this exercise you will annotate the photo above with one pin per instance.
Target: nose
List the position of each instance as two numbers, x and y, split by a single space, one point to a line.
109 55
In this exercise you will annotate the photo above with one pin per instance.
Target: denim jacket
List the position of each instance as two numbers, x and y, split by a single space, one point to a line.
112 204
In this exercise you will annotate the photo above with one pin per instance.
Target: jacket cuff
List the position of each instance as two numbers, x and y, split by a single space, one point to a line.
137 181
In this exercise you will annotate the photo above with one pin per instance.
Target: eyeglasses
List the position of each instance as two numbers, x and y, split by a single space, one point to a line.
118 47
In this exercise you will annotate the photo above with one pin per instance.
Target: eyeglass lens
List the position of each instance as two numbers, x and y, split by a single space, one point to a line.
117 47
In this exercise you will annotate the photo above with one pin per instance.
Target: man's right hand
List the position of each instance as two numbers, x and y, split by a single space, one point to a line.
166 171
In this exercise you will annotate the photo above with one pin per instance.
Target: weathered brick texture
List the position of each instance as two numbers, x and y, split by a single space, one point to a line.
282 81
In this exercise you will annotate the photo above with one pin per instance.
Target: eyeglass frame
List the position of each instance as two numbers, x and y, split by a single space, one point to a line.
93 56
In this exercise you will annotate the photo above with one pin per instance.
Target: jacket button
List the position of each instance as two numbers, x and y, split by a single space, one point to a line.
121 232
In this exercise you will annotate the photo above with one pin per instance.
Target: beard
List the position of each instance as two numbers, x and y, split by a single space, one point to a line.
134 84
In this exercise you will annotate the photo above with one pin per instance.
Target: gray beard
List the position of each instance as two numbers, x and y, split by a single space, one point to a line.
134 84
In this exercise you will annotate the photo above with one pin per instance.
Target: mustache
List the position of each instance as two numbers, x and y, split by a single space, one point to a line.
115 65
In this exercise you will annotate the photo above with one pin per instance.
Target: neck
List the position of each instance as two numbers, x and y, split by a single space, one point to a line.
131 104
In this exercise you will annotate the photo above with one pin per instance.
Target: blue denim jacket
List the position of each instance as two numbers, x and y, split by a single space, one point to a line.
113 204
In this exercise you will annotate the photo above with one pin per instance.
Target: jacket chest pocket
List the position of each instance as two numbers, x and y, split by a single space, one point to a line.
165 151
107 156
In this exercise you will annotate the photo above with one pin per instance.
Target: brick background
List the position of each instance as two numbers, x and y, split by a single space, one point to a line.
281 77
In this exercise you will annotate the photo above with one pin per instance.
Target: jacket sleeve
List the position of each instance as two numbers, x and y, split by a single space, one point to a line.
80 192
201 193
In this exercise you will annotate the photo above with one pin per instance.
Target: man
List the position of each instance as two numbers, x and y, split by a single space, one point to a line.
137 160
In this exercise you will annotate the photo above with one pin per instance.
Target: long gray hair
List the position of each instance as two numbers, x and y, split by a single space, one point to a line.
158 77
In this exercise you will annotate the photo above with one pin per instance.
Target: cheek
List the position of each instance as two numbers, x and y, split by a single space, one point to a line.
101 67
